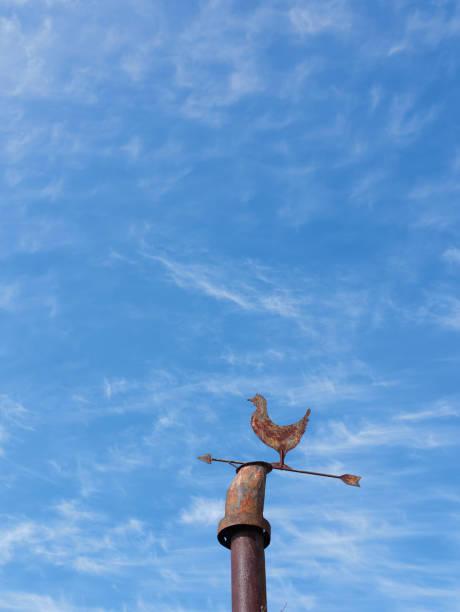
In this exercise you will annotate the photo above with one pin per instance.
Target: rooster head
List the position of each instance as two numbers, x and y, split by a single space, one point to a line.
258 400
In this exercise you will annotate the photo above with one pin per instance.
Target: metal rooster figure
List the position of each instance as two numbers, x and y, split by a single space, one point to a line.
281 438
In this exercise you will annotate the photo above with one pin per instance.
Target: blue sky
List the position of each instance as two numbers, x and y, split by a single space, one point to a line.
205 200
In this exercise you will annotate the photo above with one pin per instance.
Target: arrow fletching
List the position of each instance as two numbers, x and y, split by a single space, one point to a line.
351 480
205 458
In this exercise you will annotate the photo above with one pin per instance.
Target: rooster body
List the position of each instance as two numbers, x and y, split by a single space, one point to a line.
280 437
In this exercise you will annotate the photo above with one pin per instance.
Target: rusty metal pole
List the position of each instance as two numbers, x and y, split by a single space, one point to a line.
246 533
249 590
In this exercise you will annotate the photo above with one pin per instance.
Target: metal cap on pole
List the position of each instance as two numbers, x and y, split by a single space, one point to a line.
247 533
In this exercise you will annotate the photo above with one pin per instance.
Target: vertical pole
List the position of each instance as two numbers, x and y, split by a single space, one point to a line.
249 591
245 531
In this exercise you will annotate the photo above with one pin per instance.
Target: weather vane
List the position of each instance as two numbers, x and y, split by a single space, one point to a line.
282 438
244 530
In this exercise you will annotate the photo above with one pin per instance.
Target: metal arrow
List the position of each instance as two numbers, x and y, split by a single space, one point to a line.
348 479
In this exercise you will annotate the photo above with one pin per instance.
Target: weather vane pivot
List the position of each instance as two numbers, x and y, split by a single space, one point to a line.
282 438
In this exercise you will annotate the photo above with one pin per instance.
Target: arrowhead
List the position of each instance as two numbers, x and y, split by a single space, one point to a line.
349 479
207 458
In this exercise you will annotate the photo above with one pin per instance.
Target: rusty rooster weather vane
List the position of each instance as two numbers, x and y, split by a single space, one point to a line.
244 530
281 438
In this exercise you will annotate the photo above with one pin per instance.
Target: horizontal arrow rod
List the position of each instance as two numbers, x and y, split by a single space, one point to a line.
348 479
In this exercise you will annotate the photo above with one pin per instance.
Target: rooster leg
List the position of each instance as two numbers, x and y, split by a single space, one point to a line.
280 464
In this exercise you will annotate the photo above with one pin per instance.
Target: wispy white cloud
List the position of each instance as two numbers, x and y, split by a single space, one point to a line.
340 438
426 26
71 512
9 293
80 539
444 187
405 121
203 511
317 17
13 412
443 310
23 68
257 360
430 28
13 417
29 294
292 89
133 148
366 190
160 184
22 601
257 289
452 255
215 37
436 199
123 459
3 439
116 386
206 279
355 546
441 409
404 590
13 537
376 95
